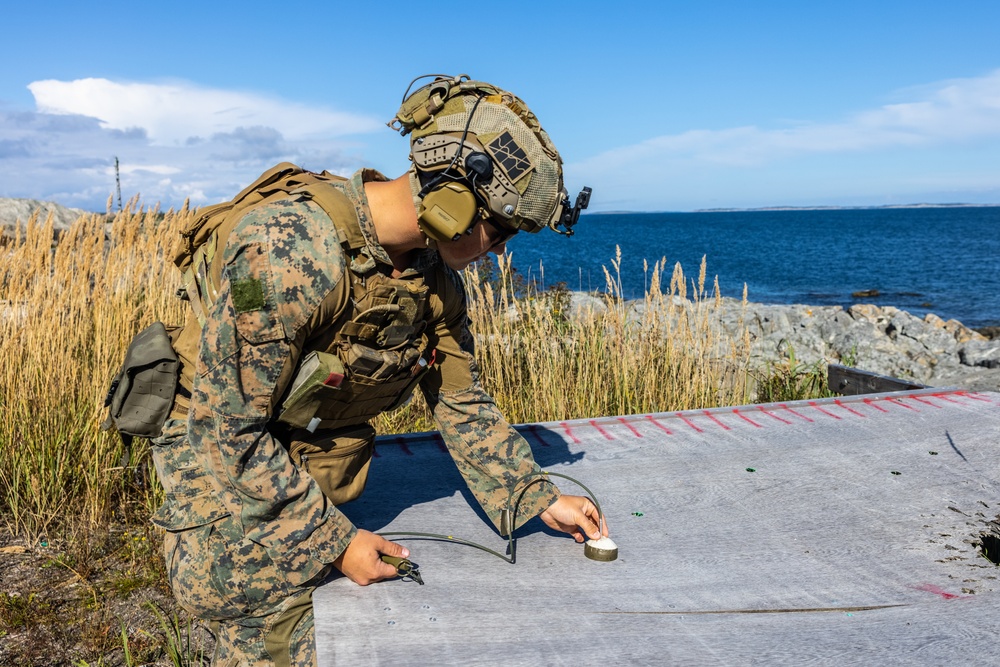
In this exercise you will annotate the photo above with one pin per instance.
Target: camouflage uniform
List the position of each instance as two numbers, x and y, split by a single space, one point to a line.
250 534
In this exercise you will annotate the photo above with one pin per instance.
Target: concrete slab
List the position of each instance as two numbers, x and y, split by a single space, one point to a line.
825 532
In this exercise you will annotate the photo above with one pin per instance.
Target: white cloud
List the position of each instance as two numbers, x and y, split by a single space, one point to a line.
70 159
954 113
174 142
173 113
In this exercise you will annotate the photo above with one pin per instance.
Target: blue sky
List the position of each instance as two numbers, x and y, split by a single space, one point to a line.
657 106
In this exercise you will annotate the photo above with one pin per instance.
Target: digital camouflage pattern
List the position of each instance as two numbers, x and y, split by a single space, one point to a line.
248 531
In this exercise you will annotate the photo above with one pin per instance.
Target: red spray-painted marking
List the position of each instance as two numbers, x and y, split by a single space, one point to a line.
851 410
974 397
600 430
659 425
871 403
945 398
630 427
931 588
785 407
402 445
773 416
569 432
920 400
688 422
896 401
736 411
716 420
535 434
813 405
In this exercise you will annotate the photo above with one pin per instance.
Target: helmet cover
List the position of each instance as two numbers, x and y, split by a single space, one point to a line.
452 118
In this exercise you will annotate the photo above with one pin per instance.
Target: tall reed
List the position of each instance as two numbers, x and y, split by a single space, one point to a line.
67 313
611 357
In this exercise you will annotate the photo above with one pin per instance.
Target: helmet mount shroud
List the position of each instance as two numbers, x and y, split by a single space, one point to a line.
479 153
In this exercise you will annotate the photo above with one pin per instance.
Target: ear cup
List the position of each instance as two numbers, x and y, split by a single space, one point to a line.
447 211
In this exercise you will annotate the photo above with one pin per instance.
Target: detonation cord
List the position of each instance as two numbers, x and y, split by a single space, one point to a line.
509 514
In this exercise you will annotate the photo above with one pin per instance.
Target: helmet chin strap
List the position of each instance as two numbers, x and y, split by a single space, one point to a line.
411 174
415 193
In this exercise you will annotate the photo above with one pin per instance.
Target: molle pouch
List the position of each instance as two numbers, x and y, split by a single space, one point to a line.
142 393
319 376
338 459
379 364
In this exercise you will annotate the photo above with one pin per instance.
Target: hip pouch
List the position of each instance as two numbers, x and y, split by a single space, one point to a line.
142 392
338 459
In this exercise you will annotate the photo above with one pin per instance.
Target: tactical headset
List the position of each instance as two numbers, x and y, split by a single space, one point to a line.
458 181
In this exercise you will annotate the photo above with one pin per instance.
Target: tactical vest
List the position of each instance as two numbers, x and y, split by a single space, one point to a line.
379 351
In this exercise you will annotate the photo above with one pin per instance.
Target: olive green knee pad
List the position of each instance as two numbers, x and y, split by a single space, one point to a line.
284 638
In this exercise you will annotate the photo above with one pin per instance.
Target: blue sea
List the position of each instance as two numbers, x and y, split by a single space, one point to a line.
940 260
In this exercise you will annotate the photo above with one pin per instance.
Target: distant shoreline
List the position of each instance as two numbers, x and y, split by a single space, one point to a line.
842 208
803 208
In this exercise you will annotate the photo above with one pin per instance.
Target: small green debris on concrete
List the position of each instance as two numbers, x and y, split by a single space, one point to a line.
636 513
751 470
896 472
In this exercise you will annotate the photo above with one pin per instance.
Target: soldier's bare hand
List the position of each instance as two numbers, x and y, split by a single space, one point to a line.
361 562
575 515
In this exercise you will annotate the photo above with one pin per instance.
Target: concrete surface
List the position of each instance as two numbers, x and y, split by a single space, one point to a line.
827 532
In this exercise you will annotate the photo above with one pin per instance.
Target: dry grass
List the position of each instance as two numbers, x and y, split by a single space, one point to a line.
68 315
544 363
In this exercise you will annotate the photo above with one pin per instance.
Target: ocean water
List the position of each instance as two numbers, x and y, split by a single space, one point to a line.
940 260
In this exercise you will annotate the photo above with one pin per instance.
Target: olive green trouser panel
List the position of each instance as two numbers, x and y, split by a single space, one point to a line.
291 641
284 638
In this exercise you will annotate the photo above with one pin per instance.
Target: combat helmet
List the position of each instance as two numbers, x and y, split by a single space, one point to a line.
478 153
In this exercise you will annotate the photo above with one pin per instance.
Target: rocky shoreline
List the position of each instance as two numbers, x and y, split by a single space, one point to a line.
878 339
883 340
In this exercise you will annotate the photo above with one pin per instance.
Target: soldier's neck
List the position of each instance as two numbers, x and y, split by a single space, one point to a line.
395 219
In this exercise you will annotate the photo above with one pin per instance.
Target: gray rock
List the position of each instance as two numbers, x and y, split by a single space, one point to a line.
582 304
980 353
15 213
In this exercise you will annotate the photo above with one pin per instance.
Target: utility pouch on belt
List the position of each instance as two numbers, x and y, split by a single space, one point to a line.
338 459
320 373
142 392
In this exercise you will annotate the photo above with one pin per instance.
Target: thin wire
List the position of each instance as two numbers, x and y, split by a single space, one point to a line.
449 538
459 78
543 474
511 512
444 173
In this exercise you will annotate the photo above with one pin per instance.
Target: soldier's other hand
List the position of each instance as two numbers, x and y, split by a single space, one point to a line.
575 515
361 562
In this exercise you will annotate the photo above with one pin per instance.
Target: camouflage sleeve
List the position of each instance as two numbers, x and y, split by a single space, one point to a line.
279 266
489 453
